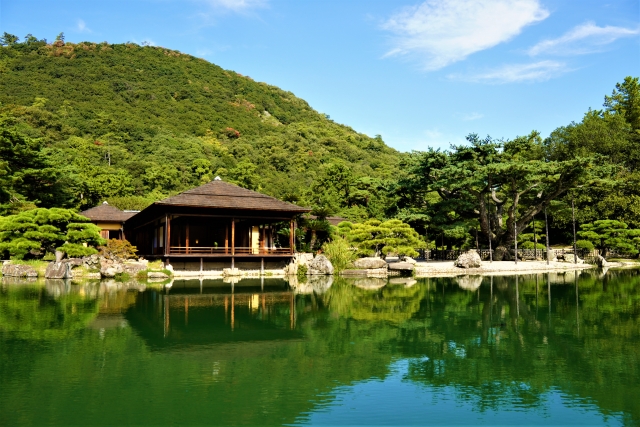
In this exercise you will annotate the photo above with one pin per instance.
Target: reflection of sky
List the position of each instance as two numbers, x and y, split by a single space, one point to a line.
397 401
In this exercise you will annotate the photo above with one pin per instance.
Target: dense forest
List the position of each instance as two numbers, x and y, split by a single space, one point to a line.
87 122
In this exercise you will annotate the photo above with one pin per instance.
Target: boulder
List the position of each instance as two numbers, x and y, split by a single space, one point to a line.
469 259
157 275
110 268
133 268
369 263
551 256
601 262
58 270
17 270
469 283
570 258
501 254
320 265
401 266
230 272
409 260
59 256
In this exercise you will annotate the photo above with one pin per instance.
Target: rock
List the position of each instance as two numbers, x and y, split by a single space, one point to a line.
58 270
227 272
17 270
401 266
74 262
551 256
601 262
110 268
133 267
157 275
501 254
299 258
469 283
320 265
410 260
370 262
370 283
469 259
570 258
91 262
59 256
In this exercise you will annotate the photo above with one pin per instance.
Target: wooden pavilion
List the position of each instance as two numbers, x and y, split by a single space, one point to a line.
110 220
215 224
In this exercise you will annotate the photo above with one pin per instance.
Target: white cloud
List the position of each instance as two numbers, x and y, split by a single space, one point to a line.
236 5
441 32
514 73
472 116
82 27
585 38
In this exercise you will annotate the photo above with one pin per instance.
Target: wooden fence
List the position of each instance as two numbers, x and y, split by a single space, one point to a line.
523 254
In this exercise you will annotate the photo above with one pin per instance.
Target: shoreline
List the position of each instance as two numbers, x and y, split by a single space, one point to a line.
504 268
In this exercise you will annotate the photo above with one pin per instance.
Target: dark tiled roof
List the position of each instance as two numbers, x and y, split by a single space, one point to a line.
220 194
106 212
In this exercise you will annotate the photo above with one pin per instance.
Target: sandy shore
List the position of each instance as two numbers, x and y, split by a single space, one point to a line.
446 268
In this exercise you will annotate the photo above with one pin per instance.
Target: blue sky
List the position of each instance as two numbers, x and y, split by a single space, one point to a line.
419 73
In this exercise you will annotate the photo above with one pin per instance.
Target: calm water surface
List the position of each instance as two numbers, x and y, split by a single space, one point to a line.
546 349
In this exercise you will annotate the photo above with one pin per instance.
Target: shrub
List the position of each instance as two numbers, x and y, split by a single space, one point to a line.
119 249
339 252
302 270
585 244
532 245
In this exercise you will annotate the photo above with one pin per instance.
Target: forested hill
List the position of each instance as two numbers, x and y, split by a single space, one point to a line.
133 124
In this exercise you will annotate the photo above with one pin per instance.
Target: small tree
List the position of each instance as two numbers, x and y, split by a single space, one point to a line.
374 237
38 231
119 249
610 234
339 252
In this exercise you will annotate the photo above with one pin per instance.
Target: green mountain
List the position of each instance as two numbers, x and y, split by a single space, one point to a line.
134 124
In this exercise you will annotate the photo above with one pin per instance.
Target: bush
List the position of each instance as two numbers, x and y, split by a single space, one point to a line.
339 252
119 249
532 245
302 270
585 244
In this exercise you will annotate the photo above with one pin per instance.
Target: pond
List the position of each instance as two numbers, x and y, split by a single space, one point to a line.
555 349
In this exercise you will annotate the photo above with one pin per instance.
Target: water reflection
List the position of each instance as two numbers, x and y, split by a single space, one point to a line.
498 349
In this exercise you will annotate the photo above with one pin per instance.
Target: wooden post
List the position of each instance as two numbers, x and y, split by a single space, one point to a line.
233 238
187 245
226 239
292 238
166 234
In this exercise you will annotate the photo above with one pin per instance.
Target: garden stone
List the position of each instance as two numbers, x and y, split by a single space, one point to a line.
370 263
134 268
16 270
157 275
320 265
401 266
501 254
110 268
601 262
410 260
59 256
58 270
469 259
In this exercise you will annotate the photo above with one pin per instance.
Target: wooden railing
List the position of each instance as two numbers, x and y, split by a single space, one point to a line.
204 250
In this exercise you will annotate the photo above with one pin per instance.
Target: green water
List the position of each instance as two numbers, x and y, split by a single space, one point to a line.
553 350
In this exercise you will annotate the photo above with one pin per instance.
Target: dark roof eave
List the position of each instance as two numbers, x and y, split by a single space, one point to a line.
295 209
